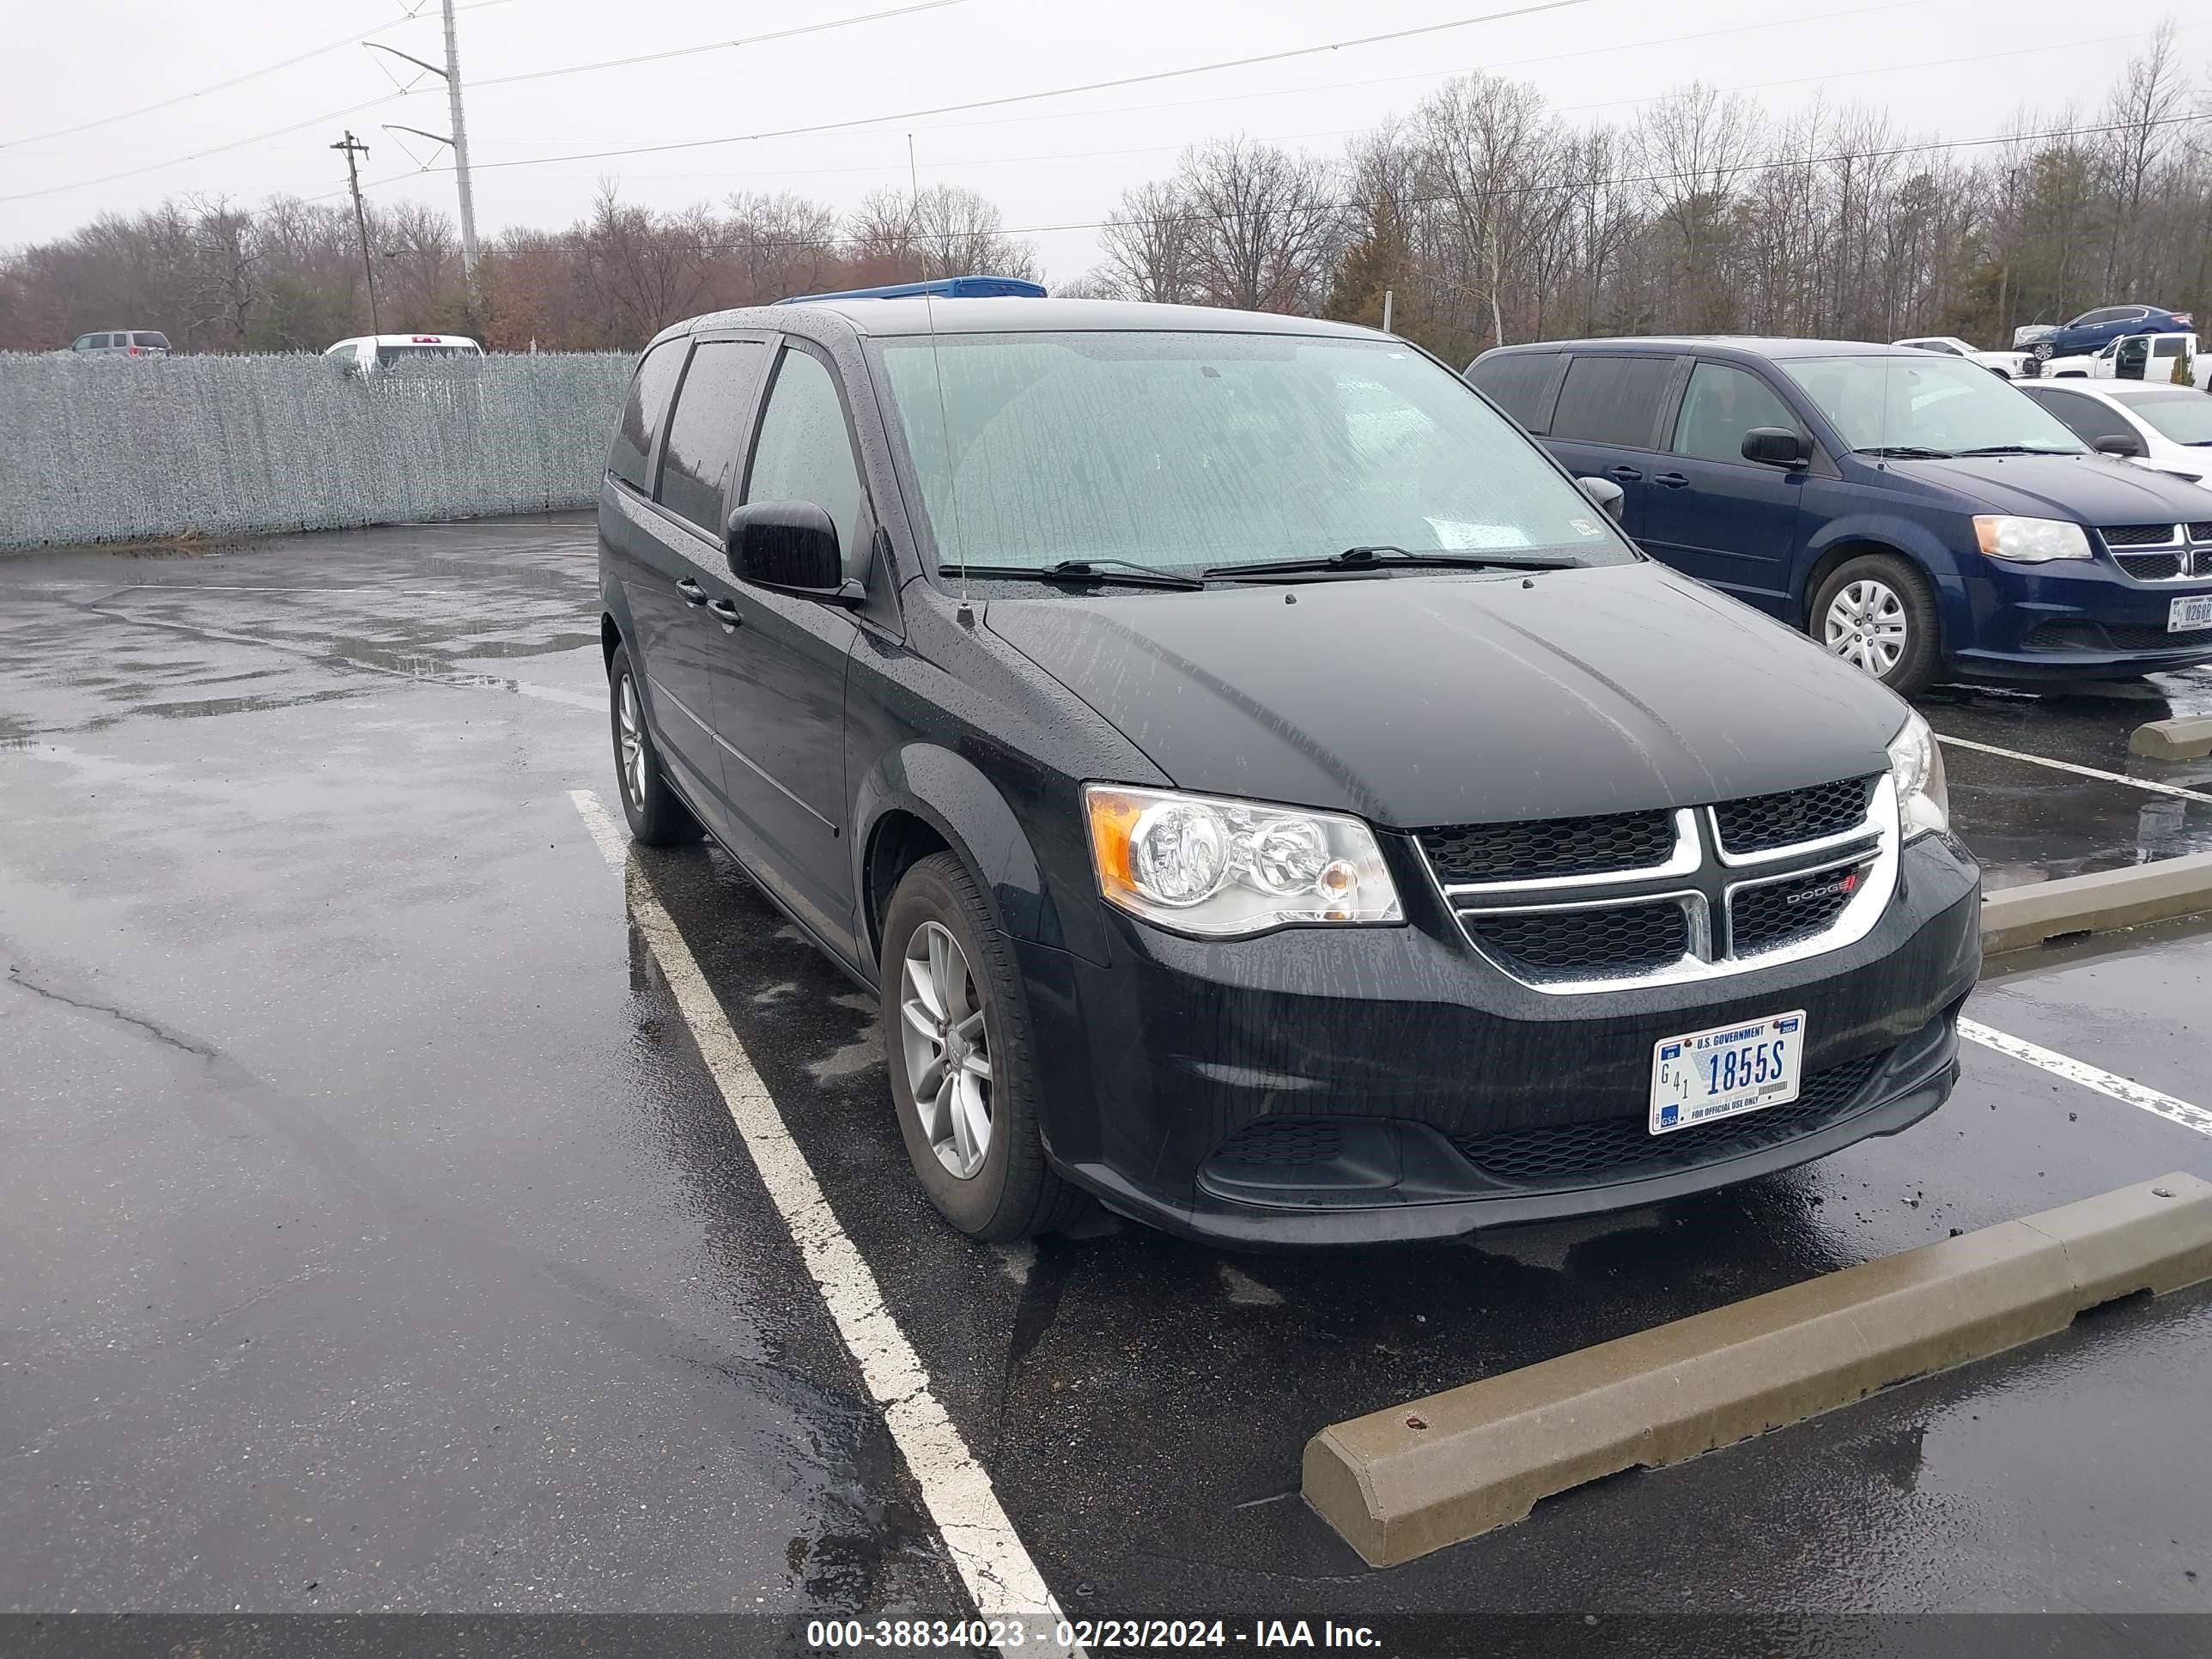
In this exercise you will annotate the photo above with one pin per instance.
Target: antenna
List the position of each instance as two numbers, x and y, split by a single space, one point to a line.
943 419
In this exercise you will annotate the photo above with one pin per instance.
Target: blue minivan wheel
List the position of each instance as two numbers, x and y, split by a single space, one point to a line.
1875 612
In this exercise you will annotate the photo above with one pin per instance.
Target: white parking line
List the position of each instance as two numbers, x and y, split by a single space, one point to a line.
2078 771
2089 1077
1002 1578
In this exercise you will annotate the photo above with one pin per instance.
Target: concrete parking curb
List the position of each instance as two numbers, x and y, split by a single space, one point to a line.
1399 1483
2015 917
2188 737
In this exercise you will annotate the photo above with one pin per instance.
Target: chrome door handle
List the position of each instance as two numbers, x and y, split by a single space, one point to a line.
1672 480
1625 474
692 593
727 611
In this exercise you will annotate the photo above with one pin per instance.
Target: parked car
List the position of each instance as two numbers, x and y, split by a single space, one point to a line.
370 353
1917 515
2010 365
1244 766
2094 329
2165 429
122 342
2133 357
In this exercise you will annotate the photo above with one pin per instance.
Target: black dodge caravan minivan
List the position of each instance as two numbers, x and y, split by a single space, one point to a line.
1265 793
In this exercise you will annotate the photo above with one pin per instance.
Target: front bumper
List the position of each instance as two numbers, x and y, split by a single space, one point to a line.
2073 620
1406 1047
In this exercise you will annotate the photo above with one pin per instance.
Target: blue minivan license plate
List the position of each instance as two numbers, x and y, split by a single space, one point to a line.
1704 1076
2183 615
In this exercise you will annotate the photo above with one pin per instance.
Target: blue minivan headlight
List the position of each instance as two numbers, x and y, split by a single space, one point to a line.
2030 541
1915 766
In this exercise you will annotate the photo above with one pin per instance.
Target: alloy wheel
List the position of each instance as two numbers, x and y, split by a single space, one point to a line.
629 731
946 1048
1866 625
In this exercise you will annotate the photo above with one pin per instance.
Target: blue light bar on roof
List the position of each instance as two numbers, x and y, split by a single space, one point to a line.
949 287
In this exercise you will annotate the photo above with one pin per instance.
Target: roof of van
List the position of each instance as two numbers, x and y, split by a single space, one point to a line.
408 339
1023 316
1757 345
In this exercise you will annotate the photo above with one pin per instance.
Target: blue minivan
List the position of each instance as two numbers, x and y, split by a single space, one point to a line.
1912 512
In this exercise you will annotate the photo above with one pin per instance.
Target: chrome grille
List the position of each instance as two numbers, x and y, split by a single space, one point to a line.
2152 567
2138 535
1548 848
1623 1147
1768 915
1735 885
1544 945
1762 822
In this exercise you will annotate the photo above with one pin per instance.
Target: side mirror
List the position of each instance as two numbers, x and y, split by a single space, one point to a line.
1777 445
2126 445
1605 493
792 547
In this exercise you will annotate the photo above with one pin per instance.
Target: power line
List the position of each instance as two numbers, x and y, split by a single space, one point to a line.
213 150
385 98
234 81
1032 97
718 45
1733 170
1345 132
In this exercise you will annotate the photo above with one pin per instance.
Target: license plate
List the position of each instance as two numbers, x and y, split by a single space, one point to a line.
1705 1076
2183 615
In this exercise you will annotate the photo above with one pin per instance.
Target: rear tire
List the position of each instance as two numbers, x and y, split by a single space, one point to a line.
656 817
957 1043
1876 613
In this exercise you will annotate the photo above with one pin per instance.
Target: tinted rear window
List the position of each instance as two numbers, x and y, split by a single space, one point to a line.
703 433
1520 384
1613 400
642 414
150 338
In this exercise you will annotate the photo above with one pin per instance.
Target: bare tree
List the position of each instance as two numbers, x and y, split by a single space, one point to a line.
1265 225
1151 245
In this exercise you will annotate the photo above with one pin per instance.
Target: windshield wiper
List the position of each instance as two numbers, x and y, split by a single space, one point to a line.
1085 573
2018 449
1380 557
1903 451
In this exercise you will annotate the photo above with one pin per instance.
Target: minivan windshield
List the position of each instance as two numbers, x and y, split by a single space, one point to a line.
1190 450
1927 406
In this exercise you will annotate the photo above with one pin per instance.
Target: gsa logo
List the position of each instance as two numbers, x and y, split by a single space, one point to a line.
1669 1116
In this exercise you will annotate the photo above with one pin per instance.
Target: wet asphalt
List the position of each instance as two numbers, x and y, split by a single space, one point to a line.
373 1237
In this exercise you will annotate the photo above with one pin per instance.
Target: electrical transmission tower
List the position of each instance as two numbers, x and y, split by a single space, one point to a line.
457 140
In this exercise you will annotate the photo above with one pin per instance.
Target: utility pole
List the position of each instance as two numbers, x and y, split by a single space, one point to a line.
354 148
461 151
457 140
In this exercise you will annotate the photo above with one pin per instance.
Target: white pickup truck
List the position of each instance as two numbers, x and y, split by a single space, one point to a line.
2006 365
2135 357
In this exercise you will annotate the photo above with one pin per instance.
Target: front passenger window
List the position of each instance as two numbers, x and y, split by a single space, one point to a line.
1721 404
805 453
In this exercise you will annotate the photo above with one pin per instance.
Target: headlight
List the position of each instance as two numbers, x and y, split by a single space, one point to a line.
1201 865
2030 541
1915 766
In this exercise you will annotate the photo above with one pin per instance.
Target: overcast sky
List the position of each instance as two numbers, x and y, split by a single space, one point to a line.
1059 161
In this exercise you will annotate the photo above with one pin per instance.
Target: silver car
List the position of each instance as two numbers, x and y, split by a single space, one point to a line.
122 342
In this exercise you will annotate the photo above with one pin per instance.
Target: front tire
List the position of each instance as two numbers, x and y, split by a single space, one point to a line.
655 815
956 1039
1876 613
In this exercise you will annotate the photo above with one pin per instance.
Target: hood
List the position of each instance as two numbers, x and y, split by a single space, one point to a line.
2090 489
1415 701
